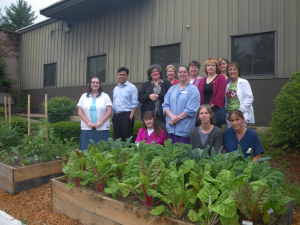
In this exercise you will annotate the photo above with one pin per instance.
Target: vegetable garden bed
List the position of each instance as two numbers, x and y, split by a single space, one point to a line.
90 207
14 180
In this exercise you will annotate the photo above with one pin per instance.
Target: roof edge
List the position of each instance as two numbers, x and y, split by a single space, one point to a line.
35 25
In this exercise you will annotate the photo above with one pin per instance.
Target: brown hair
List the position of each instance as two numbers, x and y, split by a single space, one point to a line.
214 61
194 63
89 90
235 65
209 110
236 112
150 115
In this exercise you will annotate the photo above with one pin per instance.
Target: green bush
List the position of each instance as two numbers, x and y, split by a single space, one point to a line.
2 111
9 137
285 122
20 99
67 130
60 109
19 124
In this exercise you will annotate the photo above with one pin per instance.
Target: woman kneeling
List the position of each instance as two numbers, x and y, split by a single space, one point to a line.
239 134
151 131
206 133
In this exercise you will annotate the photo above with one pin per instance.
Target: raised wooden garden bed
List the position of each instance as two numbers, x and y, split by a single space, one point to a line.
14 180
90 207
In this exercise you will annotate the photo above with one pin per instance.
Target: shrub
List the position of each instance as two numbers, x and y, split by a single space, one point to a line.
9 137
60 109
20 99
67 129
2 110
285 122
19 124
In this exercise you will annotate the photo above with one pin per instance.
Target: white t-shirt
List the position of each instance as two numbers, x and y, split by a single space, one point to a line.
101 102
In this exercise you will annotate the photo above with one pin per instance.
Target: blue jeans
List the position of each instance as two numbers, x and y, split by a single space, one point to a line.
220 115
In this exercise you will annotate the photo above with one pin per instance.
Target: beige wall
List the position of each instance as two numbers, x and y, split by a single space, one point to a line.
126 32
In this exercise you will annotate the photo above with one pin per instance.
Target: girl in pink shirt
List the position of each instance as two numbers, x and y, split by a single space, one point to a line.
151 131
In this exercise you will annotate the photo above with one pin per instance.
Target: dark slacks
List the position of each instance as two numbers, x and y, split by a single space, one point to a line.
123 126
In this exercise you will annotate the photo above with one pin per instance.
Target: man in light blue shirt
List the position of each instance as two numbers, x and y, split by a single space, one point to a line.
125 102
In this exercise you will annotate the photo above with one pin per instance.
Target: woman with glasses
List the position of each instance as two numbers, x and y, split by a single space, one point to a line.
94 109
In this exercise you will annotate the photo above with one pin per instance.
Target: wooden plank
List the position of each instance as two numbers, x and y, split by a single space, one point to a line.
106 207
6 185
6 172
77 213
39 170
33 183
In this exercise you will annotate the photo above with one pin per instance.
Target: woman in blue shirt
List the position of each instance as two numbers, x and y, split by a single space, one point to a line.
180 107
239 134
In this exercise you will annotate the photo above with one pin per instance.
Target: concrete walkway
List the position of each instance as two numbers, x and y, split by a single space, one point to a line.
6 219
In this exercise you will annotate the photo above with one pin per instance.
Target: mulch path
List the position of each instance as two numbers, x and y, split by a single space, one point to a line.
33 206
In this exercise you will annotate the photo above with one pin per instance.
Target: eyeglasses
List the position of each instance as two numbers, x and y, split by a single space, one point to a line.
95 82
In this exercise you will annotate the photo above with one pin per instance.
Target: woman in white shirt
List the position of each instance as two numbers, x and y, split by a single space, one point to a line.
94 109
238 95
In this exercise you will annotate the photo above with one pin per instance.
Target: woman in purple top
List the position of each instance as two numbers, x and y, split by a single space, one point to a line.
151 131
223 62
194 67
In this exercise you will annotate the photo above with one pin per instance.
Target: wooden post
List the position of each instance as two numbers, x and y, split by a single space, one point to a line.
9 111
5 109
28 114
46 115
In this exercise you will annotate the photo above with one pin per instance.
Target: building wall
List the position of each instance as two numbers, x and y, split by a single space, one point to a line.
10 53
126 31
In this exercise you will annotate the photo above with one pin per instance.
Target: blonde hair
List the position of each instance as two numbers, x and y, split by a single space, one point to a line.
172 67
212 60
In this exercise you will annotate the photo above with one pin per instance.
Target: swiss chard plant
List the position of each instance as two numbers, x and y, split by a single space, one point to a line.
74 168
149 177
173 192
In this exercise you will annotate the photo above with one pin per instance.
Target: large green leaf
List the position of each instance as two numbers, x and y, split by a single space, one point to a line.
158 210
226 208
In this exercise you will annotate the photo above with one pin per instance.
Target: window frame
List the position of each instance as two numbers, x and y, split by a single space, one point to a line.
50 86
87 68
255 76
164 69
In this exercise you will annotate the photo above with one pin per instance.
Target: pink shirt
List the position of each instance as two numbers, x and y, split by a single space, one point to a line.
158 139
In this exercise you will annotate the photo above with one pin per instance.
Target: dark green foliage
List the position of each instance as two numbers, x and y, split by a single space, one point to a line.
60 109
17 16
285 122
4 81
67 130
2 112
20 99
19 124
9 137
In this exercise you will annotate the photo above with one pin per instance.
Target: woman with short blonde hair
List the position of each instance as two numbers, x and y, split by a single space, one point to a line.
212 90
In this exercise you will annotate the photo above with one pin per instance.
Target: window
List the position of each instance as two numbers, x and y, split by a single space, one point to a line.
49 75
165 55
96 67
255 53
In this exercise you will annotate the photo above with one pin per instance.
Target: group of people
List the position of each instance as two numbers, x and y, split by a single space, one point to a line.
190 110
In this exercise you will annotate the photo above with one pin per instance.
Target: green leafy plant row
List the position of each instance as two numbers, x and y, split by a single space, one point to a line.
212 188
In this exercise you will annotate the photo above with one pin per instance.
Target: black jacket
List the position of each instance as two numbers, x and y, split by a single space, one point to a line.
147 103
